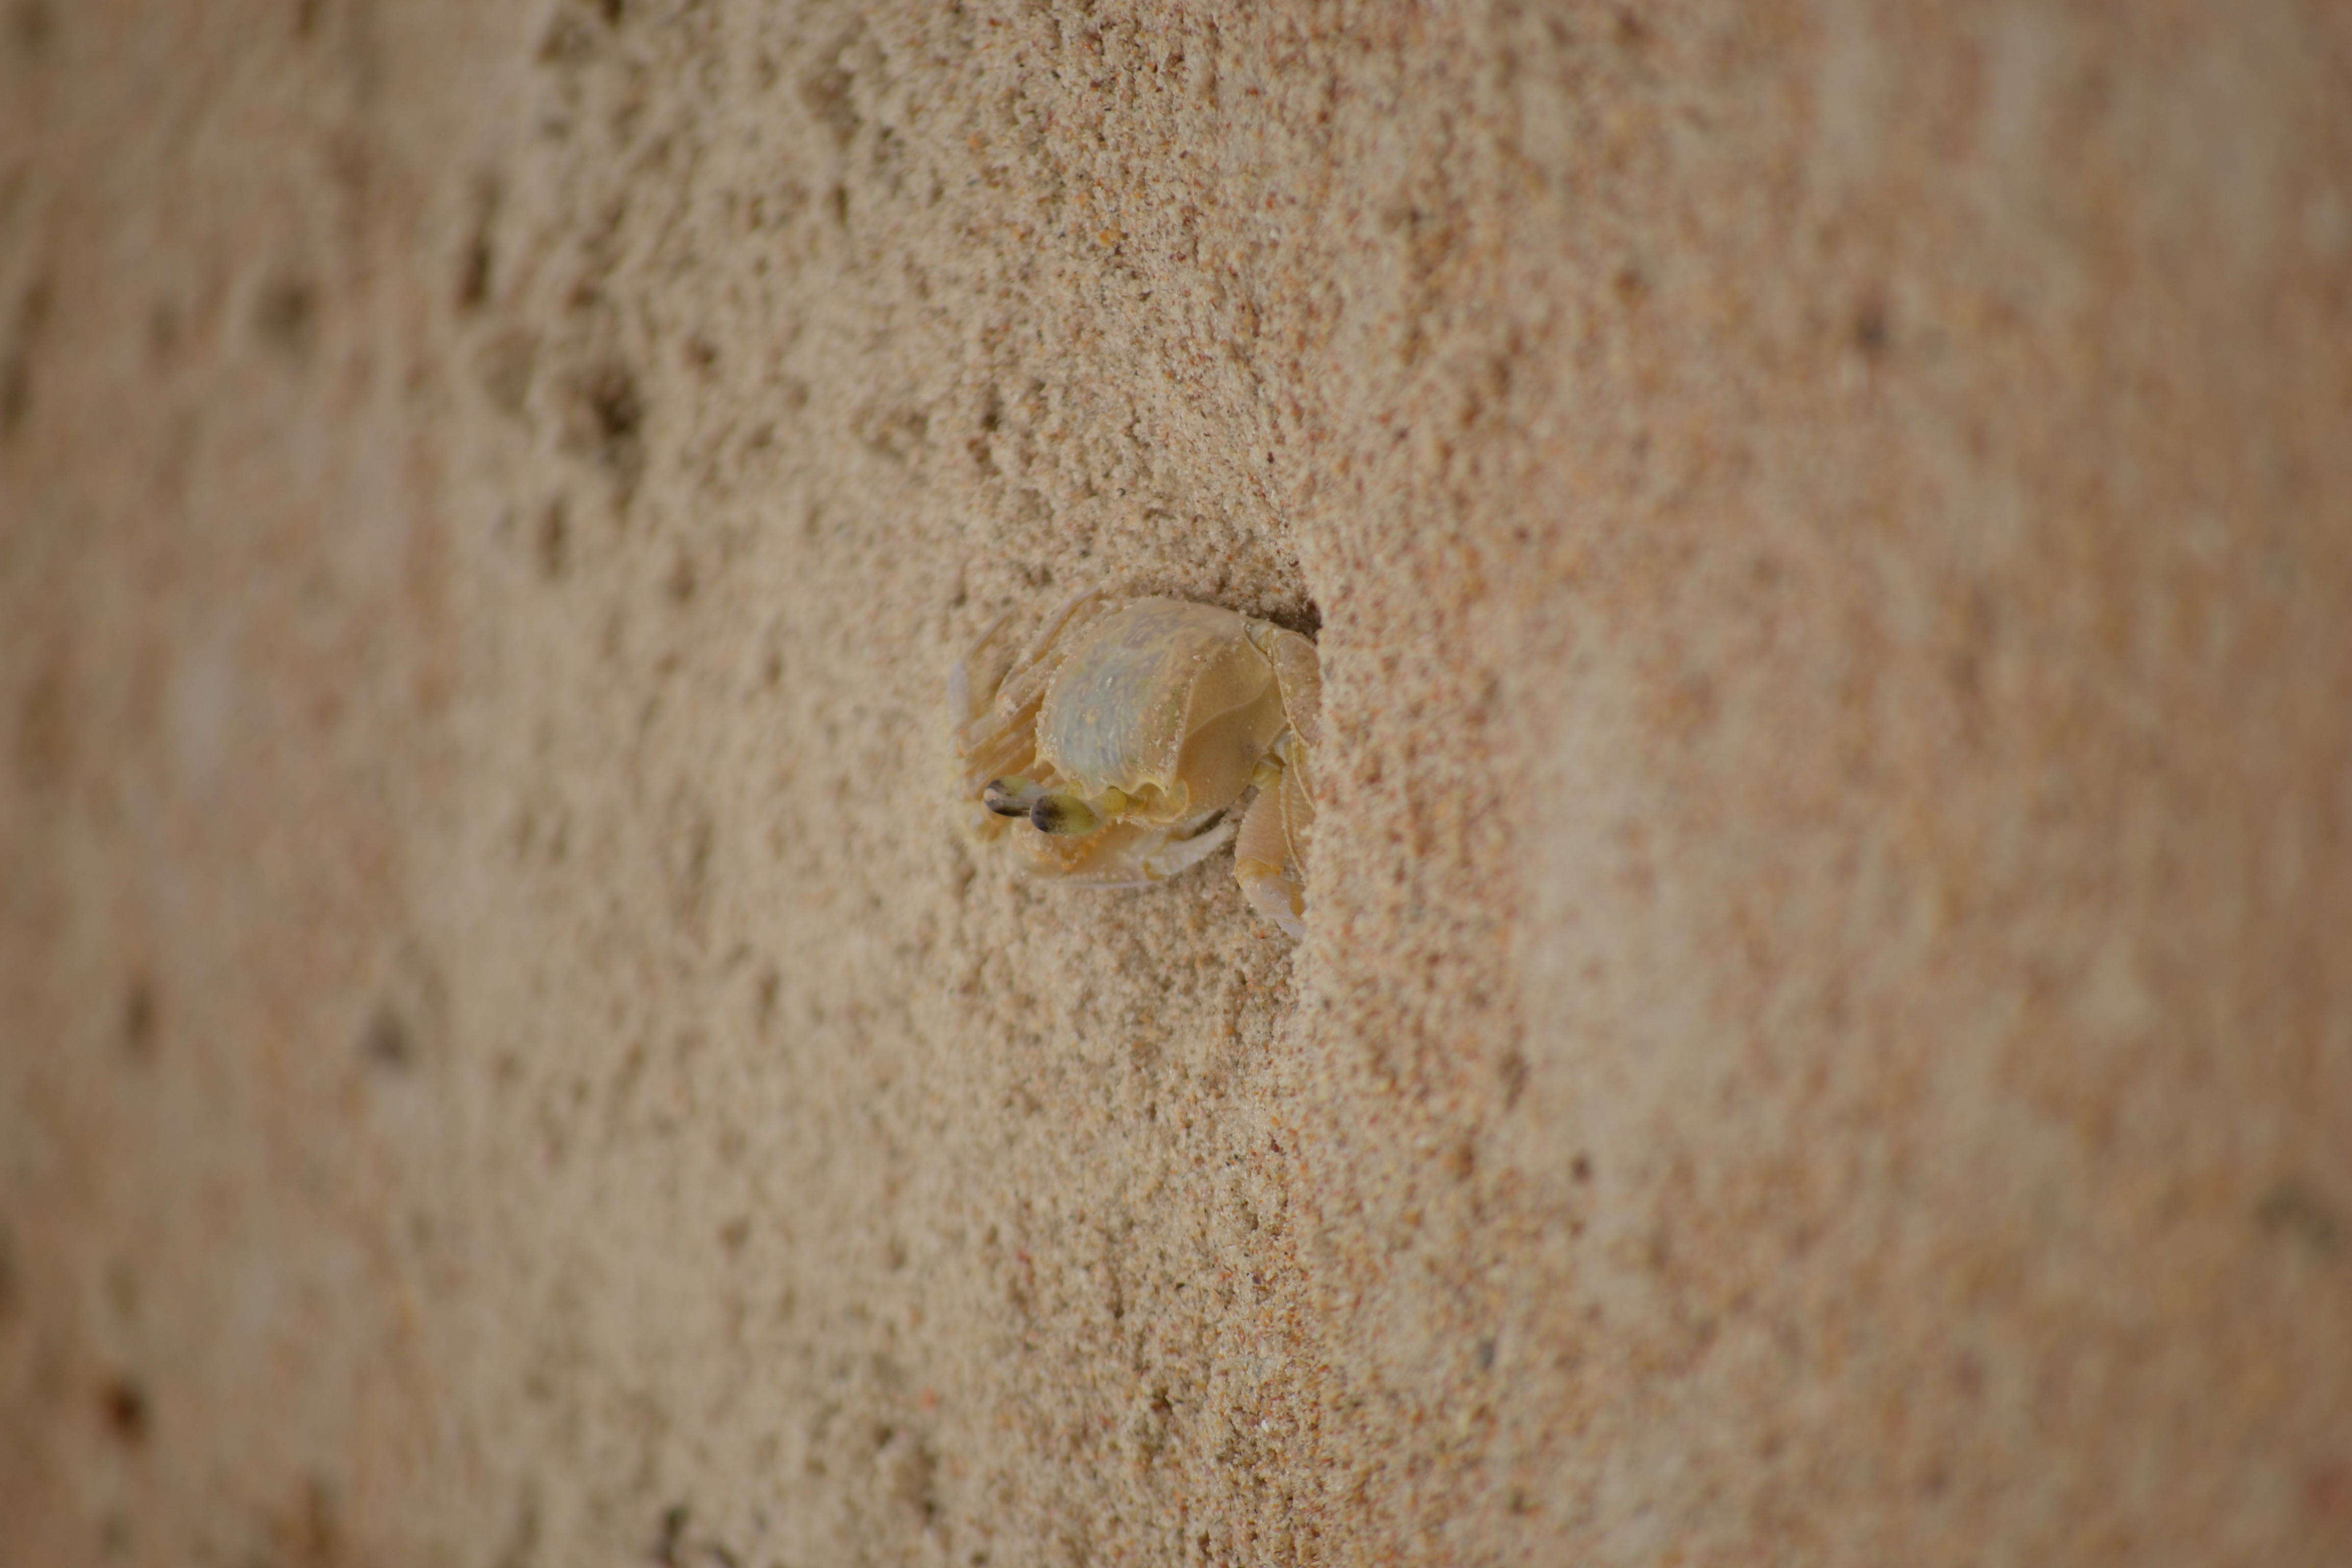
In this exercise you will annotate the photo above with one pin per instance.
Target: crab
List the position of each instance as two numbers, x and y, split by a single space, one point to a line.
1113 749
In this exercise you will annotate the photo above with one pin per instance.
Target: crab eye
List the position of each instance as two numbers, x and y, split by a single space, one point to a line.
1063 814
1011 797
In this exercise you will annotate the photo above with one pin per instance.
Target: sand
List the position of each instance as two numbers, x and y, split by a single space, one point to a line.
1823 1036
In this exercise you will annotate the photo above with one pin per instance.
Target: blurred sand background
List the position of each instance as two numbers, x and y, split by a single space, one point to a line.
1826 1030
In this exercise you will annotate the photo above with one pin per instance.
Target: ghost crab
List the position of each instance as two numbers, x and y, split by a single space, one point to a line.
1115 746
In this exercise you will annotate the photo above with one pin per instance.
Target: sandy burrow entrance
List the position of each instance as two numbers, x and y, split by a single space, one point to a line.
1822 1035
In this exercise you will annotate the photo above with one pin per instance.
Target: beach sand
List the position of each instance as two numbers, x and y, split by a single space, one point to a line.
1824 1033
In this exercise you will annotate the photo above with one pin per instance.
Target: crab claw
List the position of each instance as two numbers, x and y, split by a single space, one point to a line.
1269 853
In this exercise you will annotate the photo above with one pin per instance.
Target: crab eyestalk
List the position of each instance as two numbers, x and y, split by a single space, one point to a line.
1011 797
1064 816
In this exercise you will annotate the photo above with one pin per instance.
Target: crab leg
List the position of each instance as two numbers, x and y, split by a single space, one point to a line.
961 711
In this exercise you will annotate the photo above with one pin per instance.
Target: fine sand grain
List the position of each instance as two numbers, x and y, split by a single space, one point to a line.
1825 1031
